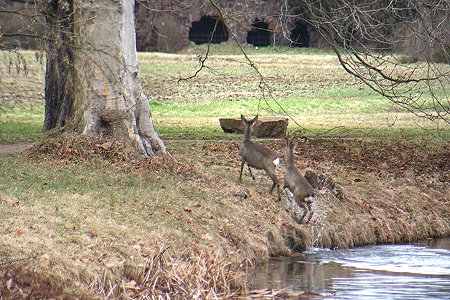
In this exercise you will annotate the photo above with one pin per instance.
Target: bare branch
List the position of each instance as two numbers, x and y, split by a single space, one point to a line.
366 36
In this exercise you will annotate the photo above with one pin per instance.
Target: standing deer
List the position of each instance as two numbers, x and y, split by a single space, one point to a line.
258 156
295 181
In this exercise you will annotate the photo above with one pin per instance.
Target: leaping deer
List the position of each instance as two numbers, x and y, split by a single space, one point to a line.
295 181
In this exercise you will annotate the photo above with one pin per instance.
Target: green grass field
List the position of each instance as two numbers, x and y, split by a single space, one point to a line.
307 84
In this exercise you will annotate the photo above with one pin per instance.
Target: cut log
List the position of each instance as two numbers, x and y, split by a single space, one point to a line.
269 127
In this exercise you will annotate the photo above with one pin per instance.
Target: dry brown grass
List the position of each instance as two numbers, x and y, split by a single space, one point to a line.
95 214
101 222
193 274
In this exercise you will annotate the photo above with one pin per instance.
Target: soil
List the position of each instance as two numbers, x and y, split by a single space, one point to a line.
15 147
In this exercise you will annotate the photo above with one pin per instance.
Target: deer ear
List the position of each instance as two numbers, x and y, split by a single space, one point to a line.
293 142
243 118
255 119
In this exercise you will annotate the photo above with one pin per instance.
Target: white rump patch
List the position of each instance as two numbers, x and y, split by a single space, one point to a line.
276 161
309 199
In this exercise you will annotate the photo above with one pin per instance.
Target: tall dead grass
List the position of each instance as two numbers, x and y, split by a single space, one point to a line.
194 274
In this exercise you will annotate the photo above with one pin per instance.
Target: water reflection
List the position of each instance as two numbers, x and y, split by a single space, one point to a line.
420 271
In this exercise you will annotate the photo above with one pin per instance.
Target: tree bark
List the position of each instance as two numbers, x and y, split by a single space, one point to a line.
59 64
107 95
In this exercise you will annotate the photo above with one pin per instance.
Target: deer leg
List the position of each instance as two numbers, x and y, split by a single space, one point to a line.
285 185
250 171
273 186
275 183
242 167
288 200
279 193
305 209
310 216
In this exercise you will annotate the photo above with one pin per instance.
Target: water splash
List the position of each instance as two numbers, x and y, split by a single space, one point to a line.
315 235
317 226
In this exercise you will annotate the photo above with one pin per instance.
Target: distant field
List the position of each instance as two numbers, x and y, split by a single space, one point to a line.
306 84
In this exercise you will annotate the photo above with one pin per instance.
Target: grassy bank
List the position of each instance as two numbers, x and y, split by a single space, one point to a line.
87 218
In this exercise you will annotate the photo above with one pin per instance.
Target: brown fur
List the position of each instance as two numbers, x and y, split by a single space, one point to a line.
258 156
295 181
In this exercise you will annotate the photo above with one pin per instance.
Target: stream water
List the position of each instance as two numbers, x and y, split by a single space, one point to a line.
416 271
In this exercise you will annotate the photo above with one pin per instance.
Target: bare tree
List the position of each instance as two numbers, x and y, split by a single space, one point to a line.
400 48
92 79
366 35
60 71
92 82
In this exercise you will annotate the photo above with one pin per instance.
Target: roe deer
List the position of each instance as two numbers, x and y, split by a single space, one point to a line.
295 181
258 156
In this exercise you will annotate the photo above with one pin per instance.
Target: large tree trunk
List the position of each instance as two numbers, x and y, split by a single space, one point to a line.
59 81
108 97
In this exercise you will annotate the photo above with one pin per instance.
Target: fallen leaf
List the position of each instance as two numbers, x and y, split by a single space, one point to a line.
106 145
23 270
207 237
131 284
110 264
9 284
92 233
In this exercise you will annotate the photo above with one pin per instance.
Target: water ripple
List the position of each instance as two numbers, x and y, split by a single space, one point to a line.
420 271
